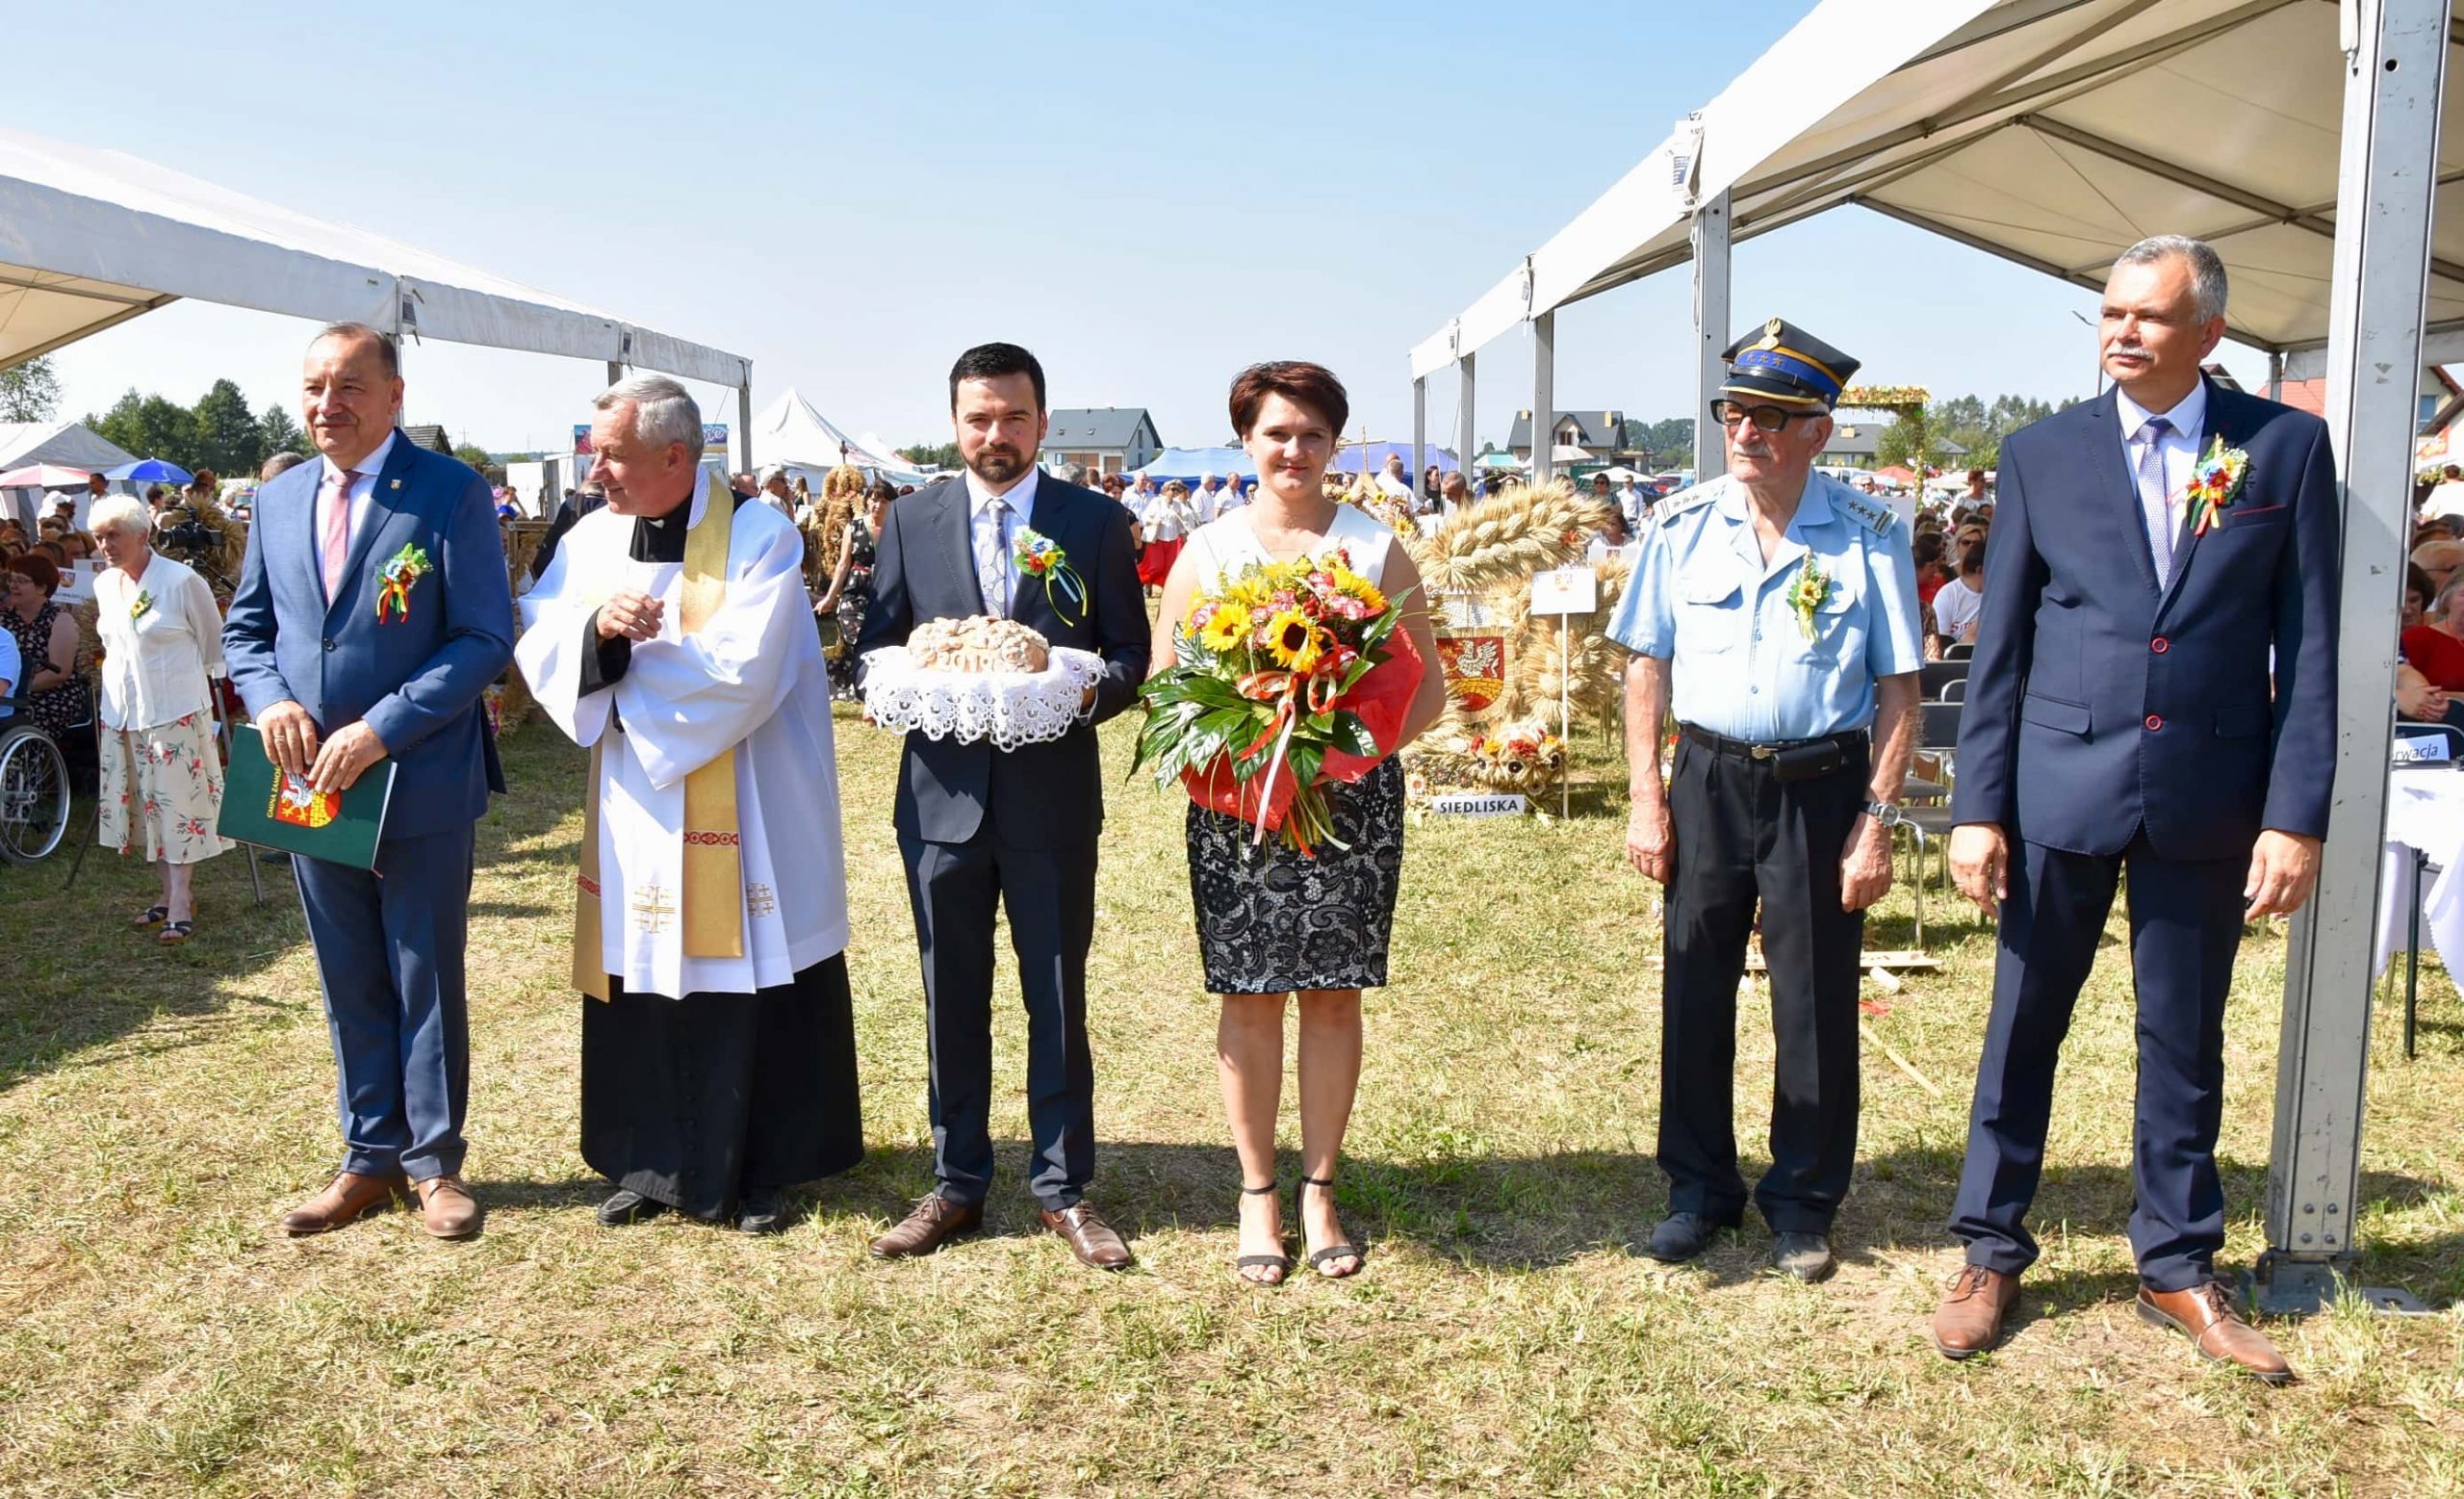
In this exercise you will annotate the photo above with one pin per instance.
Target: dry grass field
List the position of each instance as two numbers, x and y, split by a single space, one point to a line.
159 1109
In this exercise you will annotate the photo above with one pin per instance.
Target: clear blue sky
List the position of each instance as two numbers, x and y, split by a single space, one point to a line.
1149 196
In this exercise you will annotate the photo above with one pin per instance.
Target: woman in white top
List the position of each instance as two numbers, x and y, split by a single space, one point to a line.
1961 602
1166 526
162 639
1273 921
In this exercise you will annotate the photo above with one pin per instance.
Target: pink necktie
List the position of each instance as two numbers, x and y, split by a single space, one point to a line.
335 503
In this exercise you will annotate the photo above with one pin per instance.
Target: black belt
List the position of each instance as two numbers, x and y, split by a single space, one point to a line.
1849 740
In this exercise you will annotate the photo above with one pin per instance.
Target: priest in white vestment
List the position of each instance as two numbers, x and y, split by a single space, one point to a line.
673 637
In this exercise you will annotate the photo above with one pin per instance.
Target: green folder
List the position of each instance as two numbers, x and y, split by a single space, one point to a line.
258 808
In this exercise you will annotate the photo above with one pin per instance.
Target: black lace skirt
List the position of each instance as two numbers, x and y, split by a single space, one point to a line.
1271 921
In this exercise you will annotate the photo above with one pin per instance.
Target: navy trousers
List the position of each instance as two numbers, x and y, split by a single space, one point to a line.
389 958
2185 927
1050 896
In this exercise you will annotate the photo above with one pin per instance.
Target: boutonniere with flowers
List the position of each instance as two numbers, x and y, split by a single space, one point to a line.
144 606
1039 555
2215 485
394 593
1807 594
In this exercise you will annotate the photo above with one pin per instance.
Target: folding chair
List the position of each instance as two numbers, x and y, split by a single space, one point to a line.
1937 731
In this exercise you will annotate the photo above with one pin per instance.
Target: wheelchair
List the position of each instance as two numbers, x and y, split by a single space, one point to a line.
35 795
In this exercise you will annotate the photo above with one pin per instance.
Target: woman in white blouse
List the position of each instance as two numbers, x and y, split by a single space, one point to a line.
162 639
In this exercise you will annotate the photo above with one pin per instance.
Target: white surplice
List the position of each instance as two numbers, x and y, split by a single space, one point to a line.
750 684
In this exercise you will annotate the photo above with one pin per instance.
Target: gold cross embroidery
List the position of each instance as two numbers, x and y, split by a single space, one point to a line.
758 900
653 909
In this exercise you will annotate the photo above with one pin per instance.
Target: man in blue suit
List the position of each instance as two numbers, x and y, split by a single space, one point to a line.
339 676
2154 687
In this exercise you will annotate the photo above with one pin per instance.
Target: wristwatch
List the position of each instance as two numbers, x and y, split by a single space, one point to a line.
1888 813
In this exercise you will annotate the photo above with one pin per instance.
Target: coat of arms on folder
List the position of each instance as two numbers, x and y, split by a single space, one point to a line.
263 806
294 803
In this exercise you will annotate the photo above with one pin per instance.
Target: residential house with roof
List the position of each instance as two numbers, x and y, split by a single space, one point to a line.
1601 435
1107 439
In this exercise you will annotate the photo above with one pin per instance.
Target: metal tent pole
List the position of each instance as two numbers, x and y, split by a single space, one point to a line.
1710 236
1419 436
1463 438
744 421
1544 397
2395 76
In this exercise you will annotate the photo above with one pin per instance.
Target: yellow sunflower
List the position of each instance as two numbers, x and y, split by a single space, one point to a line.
1225 627
1293 640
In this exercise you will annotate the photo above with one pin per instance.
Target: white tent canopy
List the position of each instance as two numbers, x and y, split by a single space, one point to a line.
71 445
2052 133
91 238
789 430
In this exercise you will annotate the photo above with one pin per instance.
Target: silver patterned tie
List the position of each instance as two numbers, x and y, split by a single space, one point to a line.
2152 501
991 563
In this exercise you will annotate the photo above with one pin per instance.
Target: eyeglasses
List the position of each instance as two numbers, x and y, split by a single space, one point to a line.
1769 419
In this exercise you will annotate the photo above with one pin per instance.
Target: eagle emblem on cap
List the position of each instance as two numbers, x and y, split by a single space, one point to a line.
1770 335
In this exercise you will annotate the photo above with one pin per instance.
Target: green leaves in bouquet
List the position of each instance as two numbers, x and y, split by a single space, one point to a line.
1191 718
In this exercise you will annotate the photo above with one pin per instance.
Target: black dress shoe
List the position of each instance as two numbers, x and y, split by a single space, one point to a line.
763 1210
1682 1237
629 1206
1807 1256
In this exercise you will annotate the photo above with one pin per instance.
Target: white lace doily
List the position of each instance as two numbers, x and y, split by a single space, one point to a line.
1009 707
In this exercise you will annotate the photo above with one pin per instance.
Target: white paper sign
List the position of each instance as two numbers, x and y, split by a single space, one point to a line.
77 584
1565 590
1479 804
2422 749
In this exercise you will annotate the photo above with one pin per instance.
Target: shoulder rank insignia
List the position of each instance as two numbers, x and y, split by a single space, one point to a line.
1686 501
1878 518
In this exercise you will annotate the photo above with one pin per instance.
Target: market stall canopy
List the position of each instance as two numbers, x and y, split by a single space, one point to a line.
792 431
1370 458
41 476
91 238
2052 133
1189 465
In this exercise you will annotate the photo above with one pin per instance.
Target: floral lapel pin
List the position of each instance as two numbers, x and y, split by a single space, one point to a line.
2215 485
1039 555
406 567
1808 593
142 607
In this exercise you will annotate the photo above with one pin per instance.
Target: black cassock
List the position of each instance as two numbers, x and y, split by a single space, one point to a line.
692 1101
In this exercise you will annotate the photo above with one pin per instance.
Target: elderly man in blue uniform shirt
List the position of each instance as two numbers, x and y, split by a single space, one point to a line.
1775 611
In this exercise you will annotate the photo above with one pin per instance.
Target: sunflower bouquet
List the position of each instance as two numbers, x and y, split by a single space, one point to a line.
1285 677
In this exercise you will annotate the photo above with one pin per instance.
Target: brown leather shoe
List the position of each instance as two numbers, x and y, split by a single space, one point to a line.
929 1224
346 1199
1091 1238
446 1209
1969 1319
2216 1331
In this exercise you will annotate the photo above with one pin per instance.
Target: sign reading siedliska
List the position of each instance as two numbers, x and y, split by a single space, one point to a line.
1479 804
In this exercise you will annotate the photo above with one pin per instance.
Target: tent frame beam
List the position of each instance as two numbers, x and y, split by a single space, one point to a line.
2269 210
1980 104
2388 171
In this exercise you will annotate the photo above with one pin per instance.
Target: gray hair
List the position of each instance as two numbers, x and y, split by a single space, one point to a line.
120 513
2207 267
280 463
663 412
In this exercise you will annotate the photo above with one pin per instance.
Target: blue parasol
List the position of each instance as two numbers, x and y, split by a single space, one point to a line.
150 471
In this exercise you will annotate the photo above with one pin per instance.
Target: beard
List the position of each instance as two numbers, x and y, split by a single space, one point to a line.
998 463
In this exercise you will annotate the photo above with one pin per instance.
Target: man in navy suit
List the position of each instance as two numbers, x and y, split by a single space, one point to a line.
979 825
335 685
2154 689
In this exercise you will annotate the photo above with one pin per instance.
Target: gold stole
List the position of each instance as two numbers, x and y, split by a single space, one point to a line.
713 872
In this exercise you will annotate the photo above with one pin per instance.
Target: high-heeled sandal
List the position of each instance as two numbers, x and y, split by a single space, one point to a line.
1280 1264
1319 1260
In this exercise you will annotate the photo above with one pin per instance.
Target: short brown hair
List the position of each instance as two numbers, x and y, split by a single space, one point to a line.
40 571
1313 386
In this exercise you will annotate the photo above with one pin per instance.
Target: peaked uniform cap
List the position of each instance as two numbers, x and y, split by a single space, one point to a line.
1783 364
